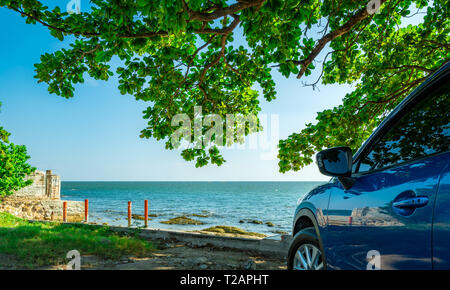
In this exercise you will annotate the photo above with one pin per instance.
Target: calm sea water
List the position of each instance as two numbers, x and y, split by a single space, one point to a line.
224 203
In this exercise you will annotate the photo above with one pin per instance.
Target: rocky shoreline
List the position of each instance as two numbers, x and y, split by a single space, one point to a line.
186 219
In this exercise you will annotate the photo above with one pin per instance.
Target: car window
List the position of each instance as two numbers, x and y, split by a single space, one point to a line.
425 130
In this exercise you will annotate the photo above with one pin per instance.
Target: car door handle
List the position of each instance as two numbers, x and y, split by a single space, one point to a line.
412 202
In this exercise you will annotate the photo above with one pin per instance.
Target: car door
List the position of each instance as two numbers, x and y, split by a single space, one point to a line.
389 208
441 222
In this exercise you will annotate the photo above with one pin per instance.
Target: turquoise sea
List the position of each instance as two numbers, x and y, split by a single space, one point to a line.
224 203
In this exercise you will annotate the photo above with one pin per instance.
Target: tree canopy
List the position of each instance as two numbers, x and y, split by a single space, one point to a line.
13 165
178 54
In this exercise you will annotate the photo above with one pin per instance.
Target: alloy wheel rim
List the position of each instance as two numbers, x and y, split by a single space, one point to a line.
308 257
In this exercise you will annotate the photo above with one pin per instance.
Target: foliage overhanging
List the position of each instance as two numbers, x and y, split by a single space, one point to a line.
178 54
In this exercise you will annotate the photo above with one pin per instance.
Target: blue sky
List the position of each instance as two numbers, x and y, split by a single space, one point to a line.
95 135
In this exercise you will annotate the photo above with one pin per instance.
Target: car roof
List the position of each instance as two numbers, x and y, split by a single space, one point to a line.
442 71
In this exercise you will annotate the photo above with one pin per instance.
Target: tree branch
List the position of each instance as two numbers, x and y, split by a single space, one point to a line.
393 96
194 16
429 71
221 12
355 19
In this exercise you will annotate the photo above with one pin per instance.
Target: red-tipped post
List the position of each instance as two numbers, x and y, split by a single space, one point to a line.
86 210
146 213
129 213
65 211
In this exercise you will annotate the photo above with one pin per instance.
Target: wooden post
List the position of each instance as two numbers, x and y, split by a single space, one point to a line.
129 213
65 211
86 210
146 212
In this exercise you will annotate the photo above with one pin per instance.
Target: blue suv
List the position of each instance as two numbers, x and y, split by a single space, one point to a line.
387 206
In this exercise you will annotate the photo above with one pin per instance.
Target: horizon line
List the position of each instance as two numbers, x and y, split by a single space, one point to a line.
193 181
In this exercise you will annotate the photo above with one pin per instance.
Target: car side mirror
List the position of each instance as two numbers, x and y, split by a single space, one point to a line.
336 162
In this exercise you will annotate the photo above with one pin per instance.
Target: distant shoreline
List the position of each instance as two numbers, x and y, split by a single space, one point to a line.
194 181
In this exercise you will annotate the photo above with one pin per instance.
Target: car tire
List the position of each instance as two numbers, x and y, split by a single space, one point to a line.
303 252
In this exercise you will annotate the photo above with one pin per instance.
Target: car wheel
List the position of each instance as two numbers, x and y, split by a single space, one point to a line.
305 253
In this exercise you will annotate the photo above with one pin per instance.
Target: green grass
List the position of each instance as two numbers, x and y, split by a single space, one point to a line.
37 244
